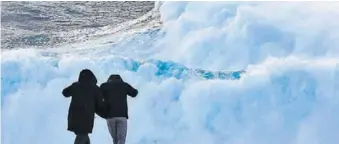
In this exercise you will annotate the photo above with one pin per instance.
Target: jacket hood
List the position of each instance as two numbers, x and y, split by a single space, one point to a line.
115 78
87 76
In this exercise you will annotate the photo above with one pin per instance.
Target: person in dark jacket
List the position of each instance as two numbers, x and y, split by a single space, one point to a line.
86 96
115 92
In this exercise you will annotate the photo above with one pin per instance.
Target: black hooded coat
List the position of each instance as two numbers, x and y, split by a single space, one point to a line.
86 97
115 92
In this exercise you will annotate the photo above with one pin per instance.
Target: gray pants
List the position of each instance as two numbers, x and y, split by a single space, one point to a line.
117 127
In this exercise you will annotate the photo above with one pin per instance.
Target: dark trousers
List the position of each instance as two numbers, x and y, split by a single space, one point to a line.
81 139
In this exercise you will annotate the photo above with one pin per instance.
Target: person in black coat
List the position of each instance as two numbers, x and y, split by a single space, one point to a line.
86 97
115 92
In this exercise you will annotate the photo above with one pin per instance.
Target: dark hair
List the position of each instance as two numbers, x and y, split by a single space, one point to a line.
115 78
87 76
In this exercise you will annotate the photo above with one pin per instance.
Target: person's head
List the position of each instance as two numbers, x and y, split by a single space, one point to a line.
114 78
87 76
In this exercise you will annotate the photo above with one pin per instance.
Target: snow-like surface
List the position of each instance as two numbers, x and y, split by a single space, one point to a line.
235 73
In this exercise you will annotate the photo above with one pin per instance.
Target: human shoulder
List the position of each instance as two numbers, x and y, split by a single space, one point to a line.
103 85
126 84
74 84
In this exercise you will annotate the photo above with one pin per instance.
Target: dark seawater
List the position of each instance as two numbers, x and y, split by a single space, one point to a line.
48 24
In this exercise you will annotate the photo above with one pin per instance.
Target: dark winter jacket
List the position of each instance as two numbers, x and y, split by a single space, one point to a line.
86 96
115 92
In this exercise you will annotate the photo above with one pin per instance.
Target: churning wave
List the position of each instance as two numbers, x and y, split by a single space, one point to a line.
215 72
